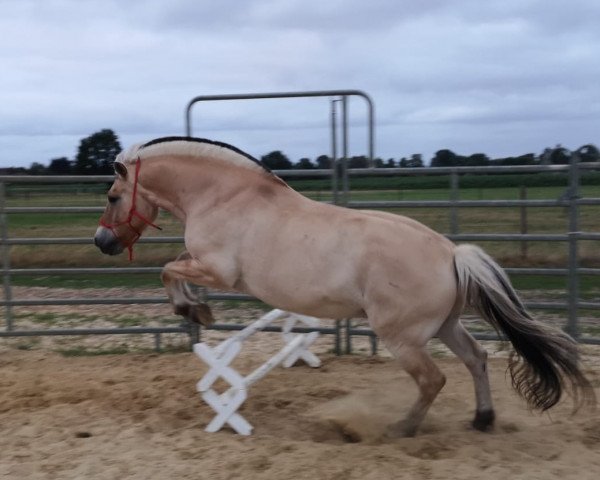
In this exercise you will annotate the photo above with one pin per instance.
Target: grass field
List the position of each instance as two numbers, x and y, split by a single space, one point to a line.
470 220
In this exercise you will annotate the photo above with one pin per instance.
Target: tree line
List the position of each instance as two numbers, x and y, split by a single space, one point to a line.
97 152
95 156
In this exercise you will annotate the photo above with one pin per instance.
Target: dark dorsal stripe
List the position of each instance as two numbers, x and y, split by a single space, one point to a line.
156 141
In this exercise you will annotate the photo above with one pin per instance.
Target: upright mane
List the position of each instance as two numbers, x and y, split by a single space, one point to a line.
195 147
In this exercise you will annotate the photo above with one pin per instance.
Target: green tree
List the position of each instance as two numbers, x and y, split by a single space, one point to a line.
59 166
276 160
37 169
304 164
97 153
560 156
415 161
444 158
527 159
589 153
545 156
358 162
477 160
323 162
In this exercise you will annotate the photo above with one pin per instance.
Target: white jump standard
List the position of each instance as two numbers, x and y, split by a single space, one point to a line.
220 357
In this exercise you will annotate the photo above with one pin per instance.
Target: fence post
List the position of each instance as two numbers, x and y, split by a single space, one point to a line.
5 258
348 325
194 331
334 167
373 340
453 200
338 338
523 196
345 182
572 327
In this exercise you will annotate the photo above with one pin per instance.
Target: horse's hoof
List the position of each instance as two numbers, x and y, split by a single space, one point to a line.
196 312
202 314
484 420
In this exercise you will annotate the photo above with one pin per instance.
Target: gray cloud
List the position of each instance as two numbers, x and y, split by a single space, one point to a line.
501 77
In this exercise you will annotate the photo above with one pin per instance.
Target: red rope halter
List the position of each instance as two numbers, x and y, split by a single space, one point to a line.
132 213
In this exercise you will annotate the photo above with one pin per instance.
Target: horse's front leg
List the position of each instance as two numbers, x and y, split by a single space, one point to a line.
188 269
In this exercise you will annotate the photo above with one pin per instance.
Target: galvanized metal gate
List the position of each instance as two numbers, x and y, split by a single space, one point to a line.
343 329
572 201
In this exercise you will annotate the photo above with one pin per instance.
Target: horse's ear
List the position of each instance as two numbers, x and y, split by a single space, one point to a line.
120 169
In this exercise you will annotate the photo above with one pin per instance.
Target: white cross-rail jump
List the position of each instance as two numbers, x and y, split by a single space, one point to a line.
220 357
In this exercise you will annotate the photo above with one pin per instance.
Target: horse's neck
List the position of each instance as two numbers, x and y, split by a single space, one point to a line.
182 186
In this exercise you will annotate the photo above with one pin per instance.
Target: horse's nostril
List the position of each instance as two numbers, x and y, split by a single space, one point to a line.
106 241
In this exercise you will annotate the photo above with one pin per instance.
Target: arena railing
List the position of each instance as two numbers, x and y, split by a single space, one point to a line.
343 330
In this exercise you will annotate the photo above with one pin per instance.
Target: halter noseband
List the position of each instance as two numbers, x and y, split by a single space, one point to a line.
132 213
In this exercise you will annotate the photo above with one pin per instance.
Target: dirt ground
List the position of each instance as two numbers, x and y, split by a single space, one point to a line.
139 416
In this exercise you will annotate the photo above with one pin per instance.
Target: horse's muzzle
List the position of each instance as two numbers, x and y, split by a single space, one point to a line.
106 241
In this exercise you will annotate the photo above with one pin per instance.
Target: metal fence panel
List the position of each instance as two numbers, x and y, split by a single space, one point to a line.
572 237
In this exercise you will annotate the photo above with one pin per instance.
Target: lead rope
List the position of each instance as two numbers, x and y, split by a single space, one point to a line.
132 213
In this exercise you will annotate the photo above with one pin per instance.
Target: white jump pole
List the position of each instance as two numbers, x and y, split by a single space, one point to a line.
220 357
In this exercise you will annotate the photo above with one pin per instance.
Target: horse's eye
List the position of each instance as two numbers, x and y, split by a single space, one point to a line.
112 199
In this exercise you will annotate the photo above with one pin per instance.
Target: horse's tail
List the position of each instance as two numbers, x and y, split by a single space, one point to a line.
546 360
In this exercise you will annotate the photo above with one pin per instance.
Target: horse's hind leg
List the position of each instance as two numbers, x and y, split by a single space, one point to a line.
464 346
430 380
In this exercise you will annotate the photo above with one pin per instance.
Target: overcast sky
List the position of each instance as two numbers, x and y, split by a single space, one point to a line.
502 77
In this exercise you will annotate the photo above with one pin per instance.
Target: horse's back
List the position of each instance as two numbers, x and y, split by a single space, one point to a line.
373 239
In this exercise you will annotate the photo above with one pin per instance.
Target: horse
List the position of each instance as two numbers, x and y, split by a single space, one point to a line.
248 231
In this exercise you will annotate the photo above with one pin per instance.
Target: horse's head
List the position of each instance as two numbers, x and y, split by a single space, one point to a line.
127 212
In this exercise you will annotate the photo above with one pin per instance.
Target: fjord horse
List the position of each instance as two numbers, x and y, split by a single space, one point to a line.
247 231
